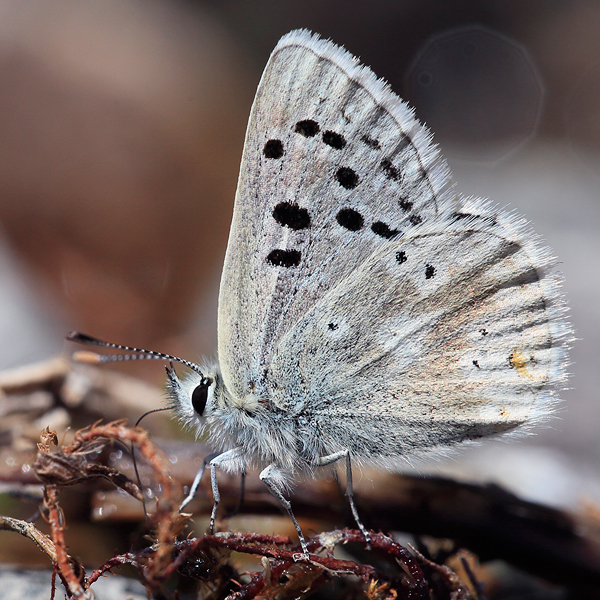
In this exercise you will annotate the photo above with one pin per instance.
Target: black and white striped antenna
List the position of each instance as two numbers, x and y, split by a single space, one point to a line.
135 353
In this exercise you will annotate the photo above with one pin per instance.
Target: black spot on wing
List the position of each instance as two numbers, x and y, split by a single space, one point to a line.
415 219
383 230
350 219
389 170
332 326
401 257
476 363
429 271
291 215
307 128
333 139
347 177
273 149
284 258
406 204
369 141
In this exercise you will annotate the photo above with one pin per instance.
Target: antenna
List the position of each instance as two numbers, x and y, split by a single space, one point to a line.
138 353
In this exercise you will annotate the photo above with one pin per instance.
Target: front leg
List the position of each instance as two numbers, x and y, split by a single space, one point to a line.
271 477
231 456
197 480
330 459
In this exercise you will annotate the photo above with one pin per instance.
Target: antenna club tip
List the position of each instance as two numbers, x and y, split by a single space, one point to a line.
88 357
81 338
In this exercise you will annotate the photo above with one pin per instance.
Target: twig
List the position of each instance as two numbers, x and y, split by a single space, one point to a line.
29 530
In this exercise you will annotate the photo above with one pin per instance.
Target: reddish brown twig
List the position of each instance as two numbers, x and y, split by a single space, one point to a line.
69 466
282 559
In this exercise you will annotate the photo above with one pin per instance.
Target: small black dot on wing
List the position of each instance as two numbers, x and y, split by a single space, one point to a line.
273 149
401 257
350 219
415 219
291 215
383 230
333 139
347 177
476 363
307 128
332 326
284 258
429 271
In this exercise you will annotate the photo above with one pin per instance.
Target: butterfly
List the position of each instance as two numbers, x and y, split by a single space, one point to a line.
367 312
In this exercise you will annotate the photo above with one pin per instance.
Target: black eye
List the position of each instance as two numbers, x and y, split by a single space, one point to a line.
200 396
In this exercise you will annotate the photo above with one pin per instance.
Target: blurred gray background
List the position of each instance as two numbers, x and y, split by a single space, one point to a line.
121 130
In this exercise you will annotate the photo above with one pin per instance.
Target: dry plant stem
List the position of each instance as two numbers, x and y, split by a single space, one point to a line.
245 544
63 560
172 491
123 559
42 541
61 468
167 518
29 530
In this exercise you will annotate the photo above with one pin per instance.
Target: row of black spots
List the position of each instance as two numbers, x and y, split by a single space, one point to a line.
352 220
288 214
310 128
345 176
401 258
284 258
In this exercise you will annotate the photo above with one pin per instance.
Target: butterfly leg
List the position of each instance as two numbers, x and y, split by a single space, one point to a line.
232 456
197 480
330 459
270 476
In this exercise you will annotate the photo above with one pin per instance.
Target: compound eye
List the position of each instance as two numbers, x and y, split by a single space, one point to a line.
200 396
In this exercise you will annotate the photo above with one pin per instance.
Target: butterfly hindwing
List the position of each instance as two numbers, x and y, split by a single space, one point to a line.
451 333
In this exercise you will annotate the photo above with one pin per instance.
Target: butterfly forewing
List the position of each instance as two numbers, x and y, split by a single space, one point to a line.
334 167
